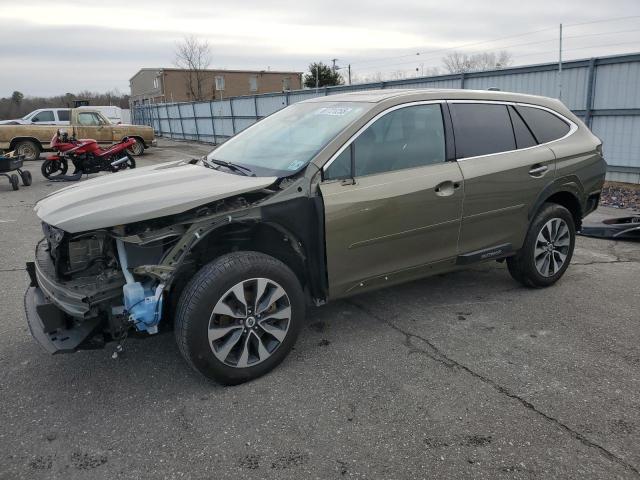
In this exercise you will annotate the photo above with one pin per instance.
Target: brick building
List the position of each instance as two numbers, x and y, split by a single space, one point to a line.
157 85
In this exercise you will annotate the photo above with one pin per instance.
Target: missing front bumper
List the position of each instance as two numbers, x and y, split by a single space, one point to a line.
52 328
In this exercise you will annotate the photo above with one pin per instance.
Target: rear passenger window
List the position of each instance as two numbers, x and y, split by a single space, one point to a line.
544 125
481 129
63 115
524 137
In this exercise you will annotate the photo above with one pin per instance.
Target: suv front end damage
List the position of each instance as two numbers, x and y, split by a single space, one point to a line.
90 288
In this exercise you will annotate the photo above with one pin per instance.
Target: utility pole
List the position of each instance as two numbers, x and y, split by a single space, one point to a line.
560 66
317 78
349 70
334 60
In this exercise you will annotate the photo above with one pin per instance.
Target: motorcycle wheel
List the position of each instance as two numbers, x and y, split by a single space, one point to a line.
49 167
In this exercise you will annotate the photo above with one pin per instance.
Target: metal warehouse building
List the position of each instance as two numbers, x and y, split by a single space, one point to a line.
603 91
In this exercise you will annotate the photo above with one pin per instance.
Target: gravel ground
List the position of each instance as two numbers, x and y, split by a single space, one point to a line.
621 195
465 375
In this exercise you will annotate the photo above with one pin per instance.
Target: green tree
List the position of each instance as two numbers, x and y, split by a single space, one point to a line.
16 97
327 77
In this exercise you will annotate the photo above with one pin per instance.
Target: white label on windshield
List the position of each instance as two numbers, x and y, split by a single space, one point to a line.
334 111
295 165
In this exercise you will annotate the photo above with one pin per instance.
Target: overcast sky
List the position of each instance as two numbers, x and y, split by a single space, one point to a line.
50 47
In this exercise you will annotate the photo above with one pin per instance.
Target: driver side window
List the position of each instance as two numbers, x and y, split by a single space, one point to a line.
408 137
89 119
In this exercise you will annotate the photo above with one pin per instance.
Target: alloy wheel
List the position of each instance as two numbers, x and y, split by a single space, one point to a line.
249 322
552 247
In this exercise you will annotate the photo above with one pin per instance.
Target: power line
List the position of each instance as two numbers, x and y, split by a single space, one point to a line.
516 45
415 55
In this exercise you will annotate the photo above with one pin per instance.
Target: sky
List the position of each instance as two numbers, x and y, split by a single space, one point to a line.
52 47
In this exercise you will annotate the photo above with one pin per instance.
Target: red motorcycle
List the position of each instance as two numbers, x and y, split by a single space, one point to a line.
86 156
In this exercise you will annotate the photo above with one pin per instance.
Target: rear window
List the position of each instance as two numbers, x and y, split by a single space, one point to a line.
481 129
63 115
544 125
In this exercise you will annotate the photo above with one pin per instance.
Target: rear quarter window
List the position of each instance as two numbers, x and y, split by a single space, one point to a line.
481 129
63 115
545 125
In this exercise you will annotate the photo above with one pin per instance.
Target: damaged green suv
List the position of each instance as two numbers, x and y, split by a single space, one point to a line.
324 199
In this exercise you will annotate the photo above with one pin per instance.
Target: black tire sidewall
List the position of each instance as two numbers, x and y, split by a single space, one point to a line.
203 292
547 212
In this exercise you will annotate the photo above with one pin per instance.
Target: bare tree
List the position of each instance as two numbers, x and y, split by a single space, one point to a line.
457 62
194 55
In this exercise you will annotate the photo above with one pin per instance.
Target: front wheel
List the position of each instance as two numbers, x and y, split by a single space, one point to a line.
239 317
51 167
547 249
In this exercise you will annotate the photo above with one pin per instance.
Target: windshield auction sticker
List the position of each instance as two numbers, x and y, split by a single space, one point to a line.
333 111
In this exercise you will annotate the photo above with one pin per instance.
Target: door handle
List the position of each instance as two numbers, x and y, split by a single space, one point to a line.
538 170
446 188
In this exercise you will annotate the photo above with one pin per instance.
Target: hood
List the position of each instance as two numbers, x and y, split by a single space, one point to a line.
141 194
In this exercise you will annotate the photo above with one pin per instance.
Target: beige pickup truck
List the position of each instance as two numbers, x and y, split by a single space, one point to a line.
31 140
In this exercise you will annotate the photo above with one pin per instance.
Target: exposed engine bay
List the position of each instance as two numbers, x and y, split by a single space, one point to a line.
108 282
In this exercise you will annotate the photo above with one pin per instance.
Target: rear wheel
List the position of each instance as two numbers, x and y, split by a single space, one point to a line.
54 167
547 249
239 317
130 163
137 148
28 148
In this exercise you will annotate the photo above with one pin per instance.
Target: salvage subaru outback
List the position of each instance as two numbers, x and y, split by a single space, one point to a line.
324 199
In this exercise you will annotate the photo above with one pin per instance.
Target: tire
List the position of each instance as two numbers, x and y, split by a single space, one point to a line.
29 149
200 327
547 249
14 181
137 148
26 177
50 167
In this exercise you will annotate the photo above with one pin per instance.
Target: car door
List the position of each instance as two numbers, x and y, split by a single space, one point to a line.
92 125
392 201
504 170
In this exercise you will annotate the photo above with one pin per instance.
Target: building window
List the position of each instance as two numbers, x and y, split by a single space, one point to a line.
155 82
253 83
286 83
220 83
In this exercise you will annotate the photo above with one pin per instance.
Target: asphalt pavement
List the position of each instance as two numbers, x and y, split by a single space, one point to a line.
464 375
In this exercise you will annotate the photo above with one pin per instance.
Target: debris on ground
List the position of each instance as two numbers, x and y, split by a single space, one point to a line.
620 195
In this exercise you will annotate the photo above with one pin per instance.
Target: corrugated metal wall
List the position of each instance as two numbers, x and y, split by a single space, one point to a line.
604 91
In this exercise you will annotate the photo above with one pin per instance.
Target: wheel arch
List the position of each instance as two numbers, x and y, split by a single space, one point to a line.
15 140
138 139
568 193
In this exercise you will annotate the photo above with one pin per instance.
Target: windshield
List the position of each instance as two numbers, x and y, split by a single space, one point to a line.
286 141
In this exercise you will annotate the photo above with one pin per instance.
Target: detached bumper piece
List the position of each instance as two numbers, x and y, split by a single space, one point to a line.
55 331
624 228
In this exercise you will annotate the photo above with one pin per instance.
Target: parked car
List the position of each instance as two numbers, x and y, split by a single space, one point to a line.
324 199
31 140
42 116
60 116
